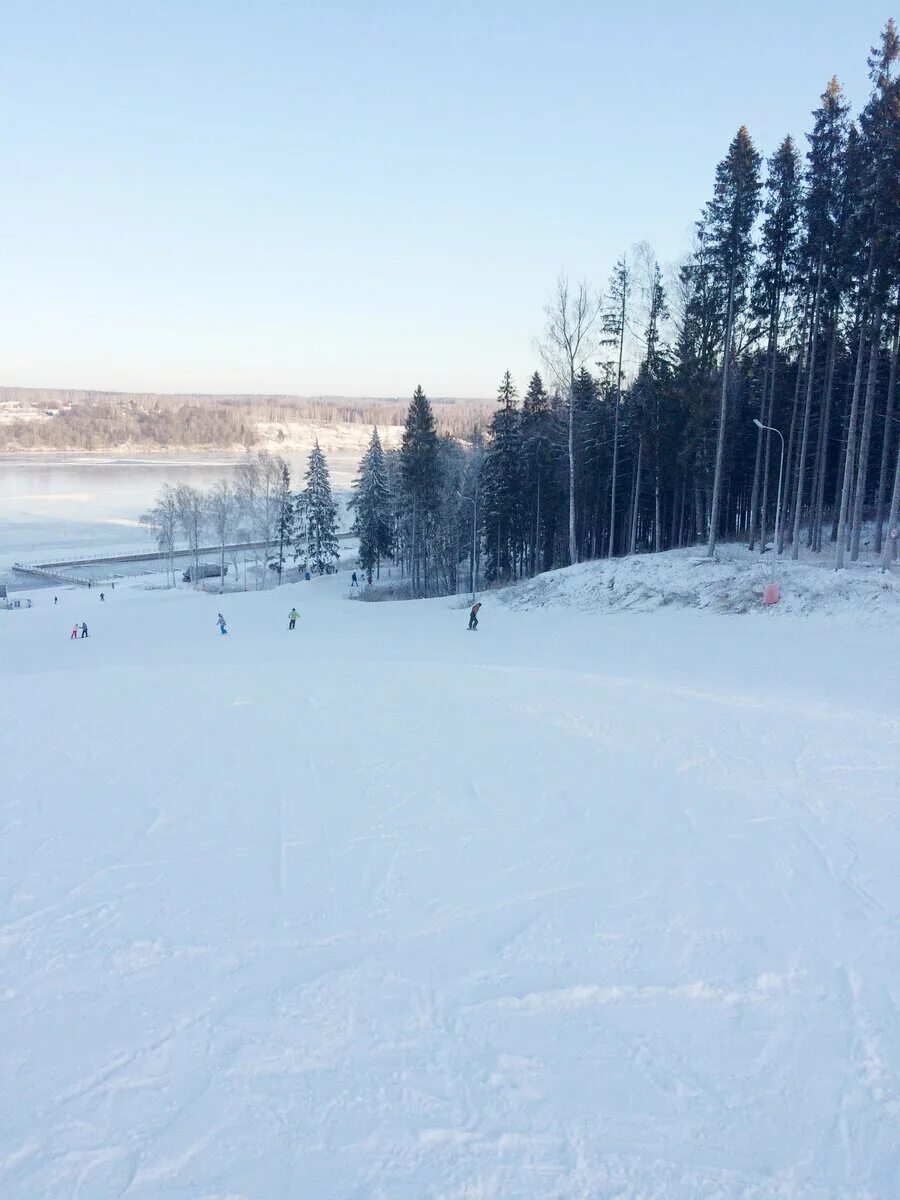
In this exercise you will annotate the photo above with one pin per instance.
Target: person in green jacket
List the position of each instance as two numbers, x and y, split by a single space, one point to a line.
292 618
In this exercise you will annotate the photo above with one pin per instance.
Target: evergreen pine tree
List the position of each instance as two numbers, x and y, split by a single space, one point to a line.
320 513
730 215
782 209
502 488
818 256
285 527
879 124
540 495
420 474
371 504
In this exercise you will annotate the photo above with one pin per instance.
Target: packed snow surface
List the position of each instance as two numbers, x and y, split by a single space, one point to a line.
731 582
583 906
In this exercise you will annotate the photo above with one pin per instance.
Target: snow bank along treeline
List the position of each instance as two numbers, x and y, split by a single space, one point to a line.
731 582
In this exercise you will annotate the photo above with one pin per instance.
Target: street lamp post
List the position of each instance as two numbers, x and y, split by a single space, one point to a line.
772 429
474 537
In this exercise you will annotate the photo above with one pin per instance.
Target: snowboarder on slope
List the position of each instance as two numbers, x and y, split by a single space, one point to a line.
102 597
473 616
84 631
220 621
56 599
292 618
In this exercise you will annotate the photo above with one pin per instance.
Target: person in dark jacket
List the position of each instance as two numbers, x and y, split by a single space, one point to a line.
473 616
84 631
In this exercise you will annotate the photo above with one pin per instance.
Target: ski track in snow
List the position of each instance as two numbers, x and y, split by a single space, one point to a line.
589 906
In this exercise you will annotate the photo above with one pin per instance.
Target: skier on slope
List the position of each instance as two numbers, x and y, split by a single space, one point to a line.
292 618
473 616
354 582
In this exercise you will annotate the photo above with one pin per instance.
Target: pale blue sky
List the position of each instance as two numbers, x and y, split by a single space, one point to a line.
355 197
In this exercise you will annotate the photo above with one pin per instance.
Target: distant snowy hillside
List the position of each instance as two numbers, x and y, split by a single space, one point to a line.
733 582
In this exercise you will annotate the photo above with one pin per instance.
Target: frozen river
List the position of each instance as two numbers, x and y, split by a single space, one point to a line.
72 505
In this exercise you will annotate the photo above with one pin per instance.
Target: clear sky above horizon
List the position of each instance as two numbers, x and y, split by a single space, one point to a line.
352 198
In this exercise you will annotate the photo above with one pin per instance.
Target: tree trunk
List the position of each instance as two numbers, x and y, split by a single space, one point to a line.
890 542
723 412
888 437
573 545
822 447
764 419
850 452
632 541
862 470
807 409
767 419
413 560
538 557
615 461
789 454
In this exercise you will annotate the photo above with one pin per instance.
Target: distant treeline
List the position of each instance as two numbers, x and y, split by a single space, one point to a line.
103 426
77 420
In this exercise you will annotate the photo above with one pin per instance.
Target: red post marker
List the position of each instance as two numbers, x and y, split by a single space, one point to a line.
770 593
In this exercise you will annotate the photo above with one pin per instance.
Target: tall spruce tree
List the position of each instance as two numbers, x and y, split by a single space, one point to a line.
540 494
502 488
371 505
419 467
320 514
879 124
876 220
730 217
773 280
285 529
817 253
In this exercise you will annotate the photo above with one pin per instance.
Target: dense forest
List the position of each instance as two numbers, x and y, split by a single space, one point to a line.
761 402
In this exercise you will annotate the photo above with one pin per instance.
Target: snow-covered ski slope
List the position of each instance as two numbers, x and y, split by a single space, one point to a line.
580 906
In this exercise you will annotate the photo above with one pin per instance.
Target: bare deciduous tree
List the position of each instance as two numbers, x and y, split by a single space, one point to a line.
570 340
190 505
223 513
163 521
